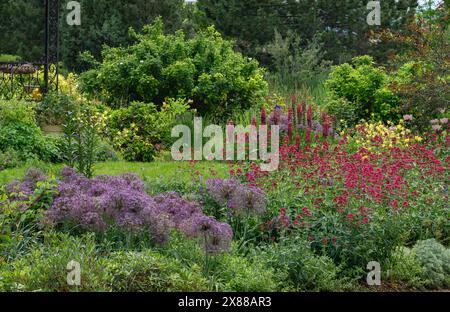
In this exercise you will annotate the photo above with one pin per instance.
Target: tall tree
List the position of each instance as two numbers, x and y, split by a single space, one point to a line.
102 22
342 25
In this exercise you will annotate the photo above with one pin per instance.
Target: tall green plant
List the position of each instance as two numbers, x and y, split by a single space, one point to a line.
81 139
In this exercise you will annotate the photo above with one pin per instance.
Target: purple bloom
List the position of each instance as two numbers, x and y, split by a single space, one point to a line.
241 199
25 188
248 199
221 190
215 236
96 204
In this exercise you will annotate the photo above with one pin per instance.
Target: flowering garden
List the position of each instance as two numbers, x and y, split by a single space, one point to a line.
362 175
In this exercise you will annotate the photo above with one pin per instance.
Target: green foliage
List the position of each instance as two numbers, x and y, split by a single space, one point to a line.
9 158
238 273
44 268
403 267
9 58
21 139
150 271
360 91
295 261
435 260
342 25
80 144
21 216
294 66
204 69
140 130
423 70
227 271
54 107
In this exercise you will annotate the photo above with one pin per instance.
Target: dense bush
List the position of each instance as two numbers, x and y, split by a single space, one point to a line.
106 202
140 130
360 91
204 69
149 271
22 205
44 268
295 66
21 139
422 69
295 261
435 260
53 108
404 268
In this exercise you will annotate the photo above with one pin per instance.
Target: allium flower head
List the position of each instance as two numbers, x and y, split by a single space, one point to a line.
241 199
214 235
247 199
221 190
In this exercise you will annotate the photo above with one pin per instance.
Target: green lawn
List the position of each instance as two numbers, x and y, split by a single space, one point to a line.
183 171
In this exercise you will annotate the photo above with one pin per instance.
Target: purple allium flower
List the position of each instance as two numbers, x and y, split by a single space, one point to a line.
96 204
221 190
434 121
214 235
25 188
104 201
177 207
247 200
241 199
444 120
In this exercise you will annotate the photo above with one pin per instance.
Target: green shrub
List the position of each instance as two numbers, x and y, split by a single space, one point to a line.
54 107
45 267
303 270
9 158
82 136
204 69
362 89
19 132
435 260
237 273
149 271
9 58
227 271
296 66
140 130
404 268
22 205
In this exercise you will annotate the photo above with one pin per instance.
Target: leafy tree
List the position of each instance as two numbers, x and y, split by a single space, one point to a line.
423 68
156 66
106 22
341 24
102 22
22 28
359 90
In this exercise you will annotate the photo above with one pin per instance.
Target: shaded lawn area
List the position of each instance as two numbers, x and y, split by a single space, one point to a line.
170 170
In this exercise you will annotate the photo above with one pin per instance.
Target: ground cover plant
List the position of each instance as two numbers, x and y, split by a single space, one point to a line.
89 180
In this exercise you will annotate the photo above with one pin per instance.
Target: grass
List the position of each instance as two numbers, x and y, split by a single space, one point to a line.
181 171
314 92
